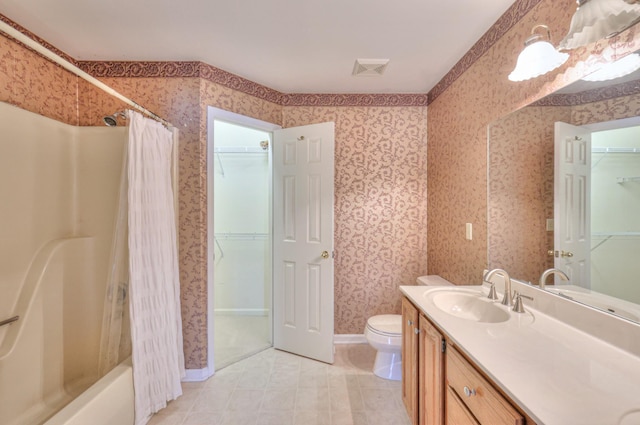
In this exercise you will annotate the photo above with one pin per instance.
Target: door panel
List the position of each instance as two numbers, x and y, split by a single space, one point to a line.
303 240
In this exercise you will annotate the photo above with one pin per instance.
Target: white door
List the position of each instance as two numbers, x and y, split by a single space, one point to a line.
303 170
572 200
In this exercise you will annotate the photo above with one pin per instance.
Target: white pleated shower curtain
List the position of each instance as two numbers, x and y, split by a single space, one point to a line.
154 286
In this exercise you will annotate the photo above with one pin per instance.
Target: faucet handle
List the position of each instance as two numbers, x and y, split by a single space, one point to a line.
492 291
517 301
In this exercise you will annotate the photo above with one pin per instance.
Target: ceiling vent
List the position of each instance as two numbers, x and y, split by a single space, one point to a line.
369 67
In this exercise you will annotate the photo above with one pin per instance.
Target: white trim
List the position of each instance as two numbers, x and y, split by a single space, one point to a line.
349 339
197 375
234 118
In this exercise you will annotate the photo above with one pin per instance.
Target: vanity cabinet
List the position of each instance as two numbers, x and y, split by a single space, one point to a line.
440 386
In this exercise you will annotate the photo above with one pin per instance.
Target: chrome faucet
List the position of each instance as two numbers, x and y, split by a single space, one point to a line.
547 273
507 299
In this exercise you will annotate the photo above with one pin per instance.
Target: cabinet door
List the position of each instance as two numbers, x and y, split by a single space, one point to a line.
409 359
431 374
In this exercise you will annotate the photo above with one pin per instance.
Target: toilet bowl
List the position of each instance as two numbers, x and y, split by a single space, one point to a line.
384 333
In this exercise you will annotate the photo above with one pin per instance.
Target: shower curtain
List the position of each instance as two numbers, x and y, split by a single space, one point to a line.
154 287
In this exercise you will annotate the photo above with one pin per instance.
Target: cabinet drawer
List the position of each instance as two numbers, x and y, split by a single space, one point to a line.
485 403
457 412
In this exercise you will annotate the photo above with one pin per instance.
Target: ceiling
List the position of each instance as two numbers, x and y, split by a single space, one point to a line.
293 46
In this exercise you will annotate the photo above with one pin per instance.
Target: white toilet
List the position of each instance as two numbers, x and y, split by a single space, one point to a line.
384 333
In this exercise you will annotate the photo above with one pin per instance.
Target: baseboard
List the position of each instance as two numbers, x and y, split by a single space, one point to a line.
241 312
197 375
349 339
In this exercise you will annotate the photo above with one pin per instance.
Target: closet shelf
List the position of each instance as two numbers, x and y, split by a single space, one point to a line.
239 149
242 236
627 179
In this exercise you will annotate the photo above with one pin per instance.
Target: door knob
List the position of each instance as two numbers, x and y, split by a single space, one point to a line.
563 254
325 254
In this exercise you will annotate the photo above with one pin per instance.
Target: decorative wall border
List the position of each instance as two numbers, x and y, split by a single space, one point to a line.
511 17
302 99
628 88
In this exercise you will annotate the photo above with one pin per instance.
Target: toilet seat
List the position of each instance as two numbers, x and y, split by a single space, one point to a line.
385 325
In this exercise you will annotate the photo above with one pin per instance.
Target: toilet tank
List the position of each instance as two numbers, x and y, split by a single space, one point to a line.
432 280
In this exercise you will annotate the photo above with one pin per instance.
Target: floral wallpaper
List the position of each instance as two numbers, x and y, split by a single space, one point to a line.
380 205
520 194
37 85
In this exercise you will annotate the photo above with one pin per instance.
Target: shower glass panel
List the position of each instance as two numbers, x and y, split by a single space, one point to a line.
242 236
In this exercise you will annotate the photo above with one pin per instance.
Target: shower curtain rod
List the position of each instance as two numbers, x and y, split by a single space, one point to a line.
22 38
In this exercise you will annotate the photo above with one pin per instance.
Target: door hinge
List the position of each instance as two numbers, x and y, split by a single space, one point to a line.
444 346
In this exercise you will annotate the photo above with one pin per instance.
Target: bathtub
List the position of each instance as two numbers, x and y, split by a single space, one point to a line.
107 402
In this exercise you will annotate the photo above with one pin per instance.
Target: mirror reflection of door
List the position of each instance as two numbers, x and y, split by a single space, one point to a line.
613 211
572 200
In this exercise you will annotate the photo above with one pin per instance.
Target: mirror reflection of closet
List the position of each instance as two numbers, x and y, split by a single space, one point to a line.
521 186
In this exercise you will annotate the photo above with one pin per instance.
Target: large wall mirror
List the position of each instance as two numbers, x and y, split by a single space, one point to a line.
598 241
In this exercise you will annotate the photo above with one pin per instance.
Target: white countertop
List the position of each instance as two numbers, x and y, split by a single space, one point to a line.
558 374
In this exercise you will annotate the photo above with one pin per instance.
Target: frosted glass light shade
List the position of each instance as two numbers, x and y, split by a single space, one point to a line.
598 19
537 58
617 69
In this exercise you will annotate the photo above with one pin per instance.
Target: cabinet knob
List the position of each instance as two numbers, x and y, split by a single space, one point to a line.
469 392
416 331
409 322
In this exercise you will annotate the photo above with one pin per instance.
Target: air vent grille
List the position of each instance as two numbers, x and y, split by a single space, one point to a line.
369 67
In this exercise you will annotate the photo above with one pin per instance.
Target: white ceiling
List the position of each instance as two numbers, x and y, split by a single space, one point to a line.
294 46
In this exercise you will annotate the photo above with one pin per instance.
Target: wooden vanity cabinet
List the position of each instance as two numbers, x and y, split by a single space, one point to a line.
440 386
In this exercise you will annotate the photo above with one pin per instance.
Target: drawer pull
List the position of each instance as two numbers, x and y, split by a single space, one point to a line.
469 392
409 322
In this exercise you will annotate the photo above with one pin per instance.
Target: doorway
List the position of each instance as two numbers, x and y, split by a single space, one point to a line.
240 236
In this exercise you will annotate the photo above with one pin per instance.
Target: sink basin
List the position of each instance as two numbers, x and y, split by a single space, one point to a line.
469 306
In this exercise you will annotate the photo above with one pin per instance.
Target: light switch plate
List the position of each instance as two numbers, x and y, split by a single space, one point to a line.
549 225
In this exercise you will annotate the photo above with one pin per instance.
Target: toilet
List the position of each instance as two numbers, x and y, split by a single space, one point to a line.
384 333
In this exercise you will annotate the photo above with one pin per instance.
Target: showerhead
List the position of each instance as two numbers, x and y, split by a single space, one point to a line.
112 120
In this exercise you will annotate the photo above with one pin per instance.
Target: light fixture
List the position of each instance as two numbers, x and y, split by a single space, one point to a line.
598 19
538 57
617 69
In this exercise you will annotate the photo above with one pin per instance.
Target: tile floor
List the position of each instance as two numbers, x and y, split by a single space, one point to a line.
278 388
238 337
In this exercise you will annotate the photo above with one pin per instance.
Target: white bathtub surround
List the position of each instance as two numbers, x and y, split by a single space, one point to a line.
156 328
107 402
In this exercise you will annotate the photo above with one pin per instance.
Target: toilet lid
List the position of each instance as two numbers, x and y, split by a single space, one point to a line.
390 324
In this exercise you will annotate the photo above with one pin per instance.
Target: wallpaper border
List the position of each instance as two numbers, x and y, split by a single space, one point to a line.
589 96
